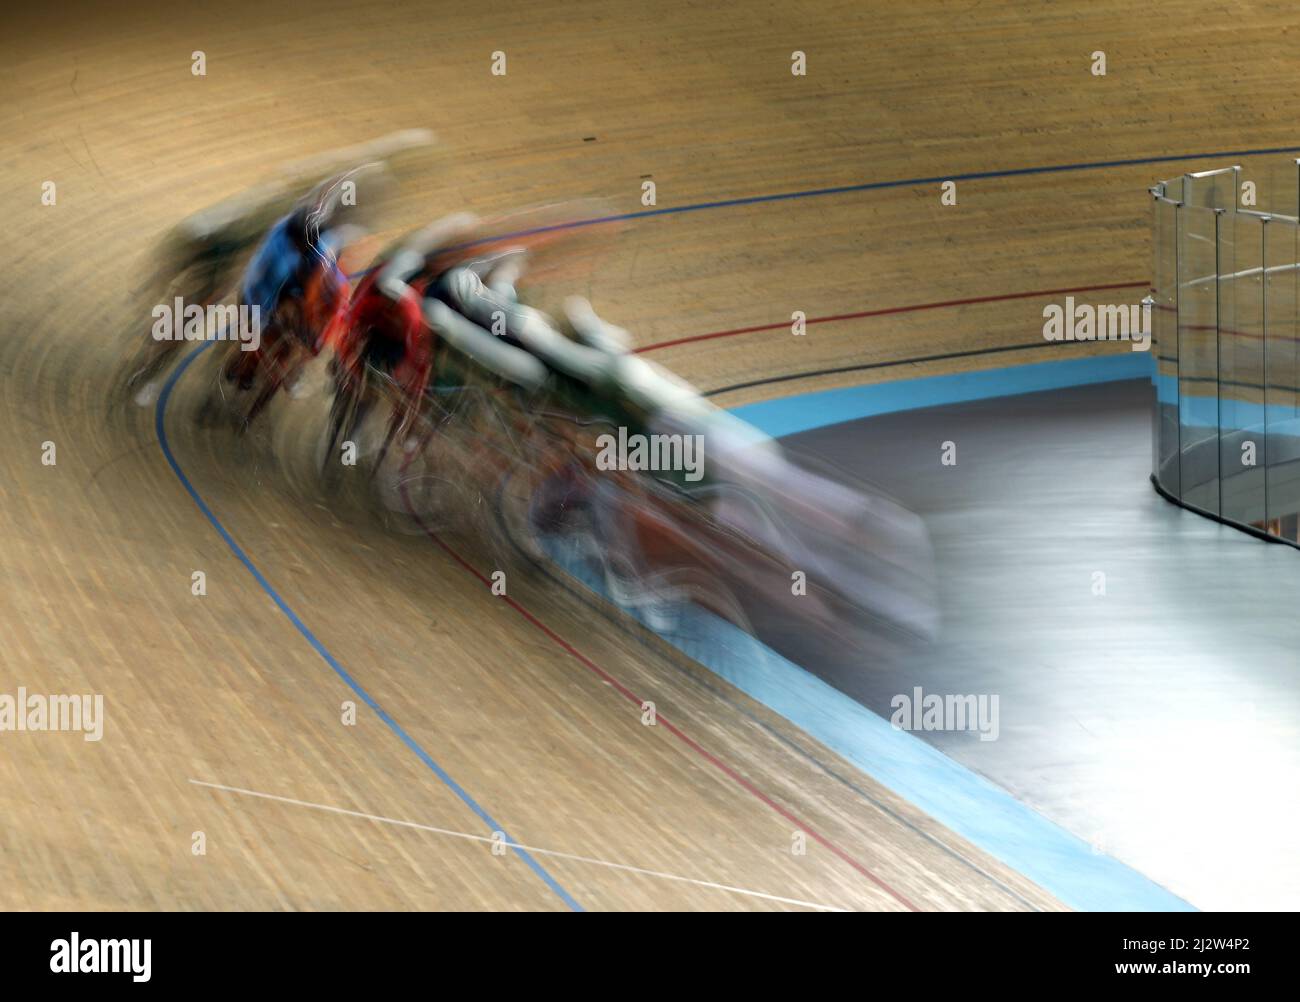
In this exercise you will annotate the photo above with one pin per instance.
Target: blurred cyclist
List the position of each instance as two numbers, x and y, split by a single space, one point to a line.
299 291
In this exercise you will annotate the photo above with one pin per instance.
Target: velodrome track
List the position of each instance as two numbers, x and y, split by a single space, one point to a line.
521 716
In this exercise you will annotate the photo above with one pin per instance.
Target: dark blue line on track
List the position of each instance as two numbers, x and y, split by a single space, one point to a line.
160 410
160 413
911 182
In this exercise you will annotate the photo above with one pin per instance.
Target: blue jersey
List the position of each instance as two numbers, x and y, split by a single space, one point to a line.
274 264
274 268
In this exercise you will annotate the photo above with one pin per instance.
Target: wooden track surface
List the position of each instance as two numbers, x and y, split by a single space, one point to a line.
96 552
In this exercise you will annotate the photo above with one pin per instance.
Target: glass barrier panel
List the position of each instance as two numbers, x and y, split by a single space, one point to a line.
1241 367
1282 372
1272 188
1212 189
1164 345
1198 370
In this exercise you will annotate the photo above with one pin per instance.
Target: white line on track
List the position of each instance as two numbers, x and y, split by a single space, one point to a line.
516 845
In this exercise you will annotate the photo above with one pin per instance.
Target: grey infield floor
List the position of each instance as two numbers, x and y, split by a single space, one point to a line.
1159 721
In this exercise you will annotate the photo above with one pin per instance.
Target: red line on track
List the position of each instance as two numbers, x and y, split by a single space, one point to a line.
677 732
890 311
632 697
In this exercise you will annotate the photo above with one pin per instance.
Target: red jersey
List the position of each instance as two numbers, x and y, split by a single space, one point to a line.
377 326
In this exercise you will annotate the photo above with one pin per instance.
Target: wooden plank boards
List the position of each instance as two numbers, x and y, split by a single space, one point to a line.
97 551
